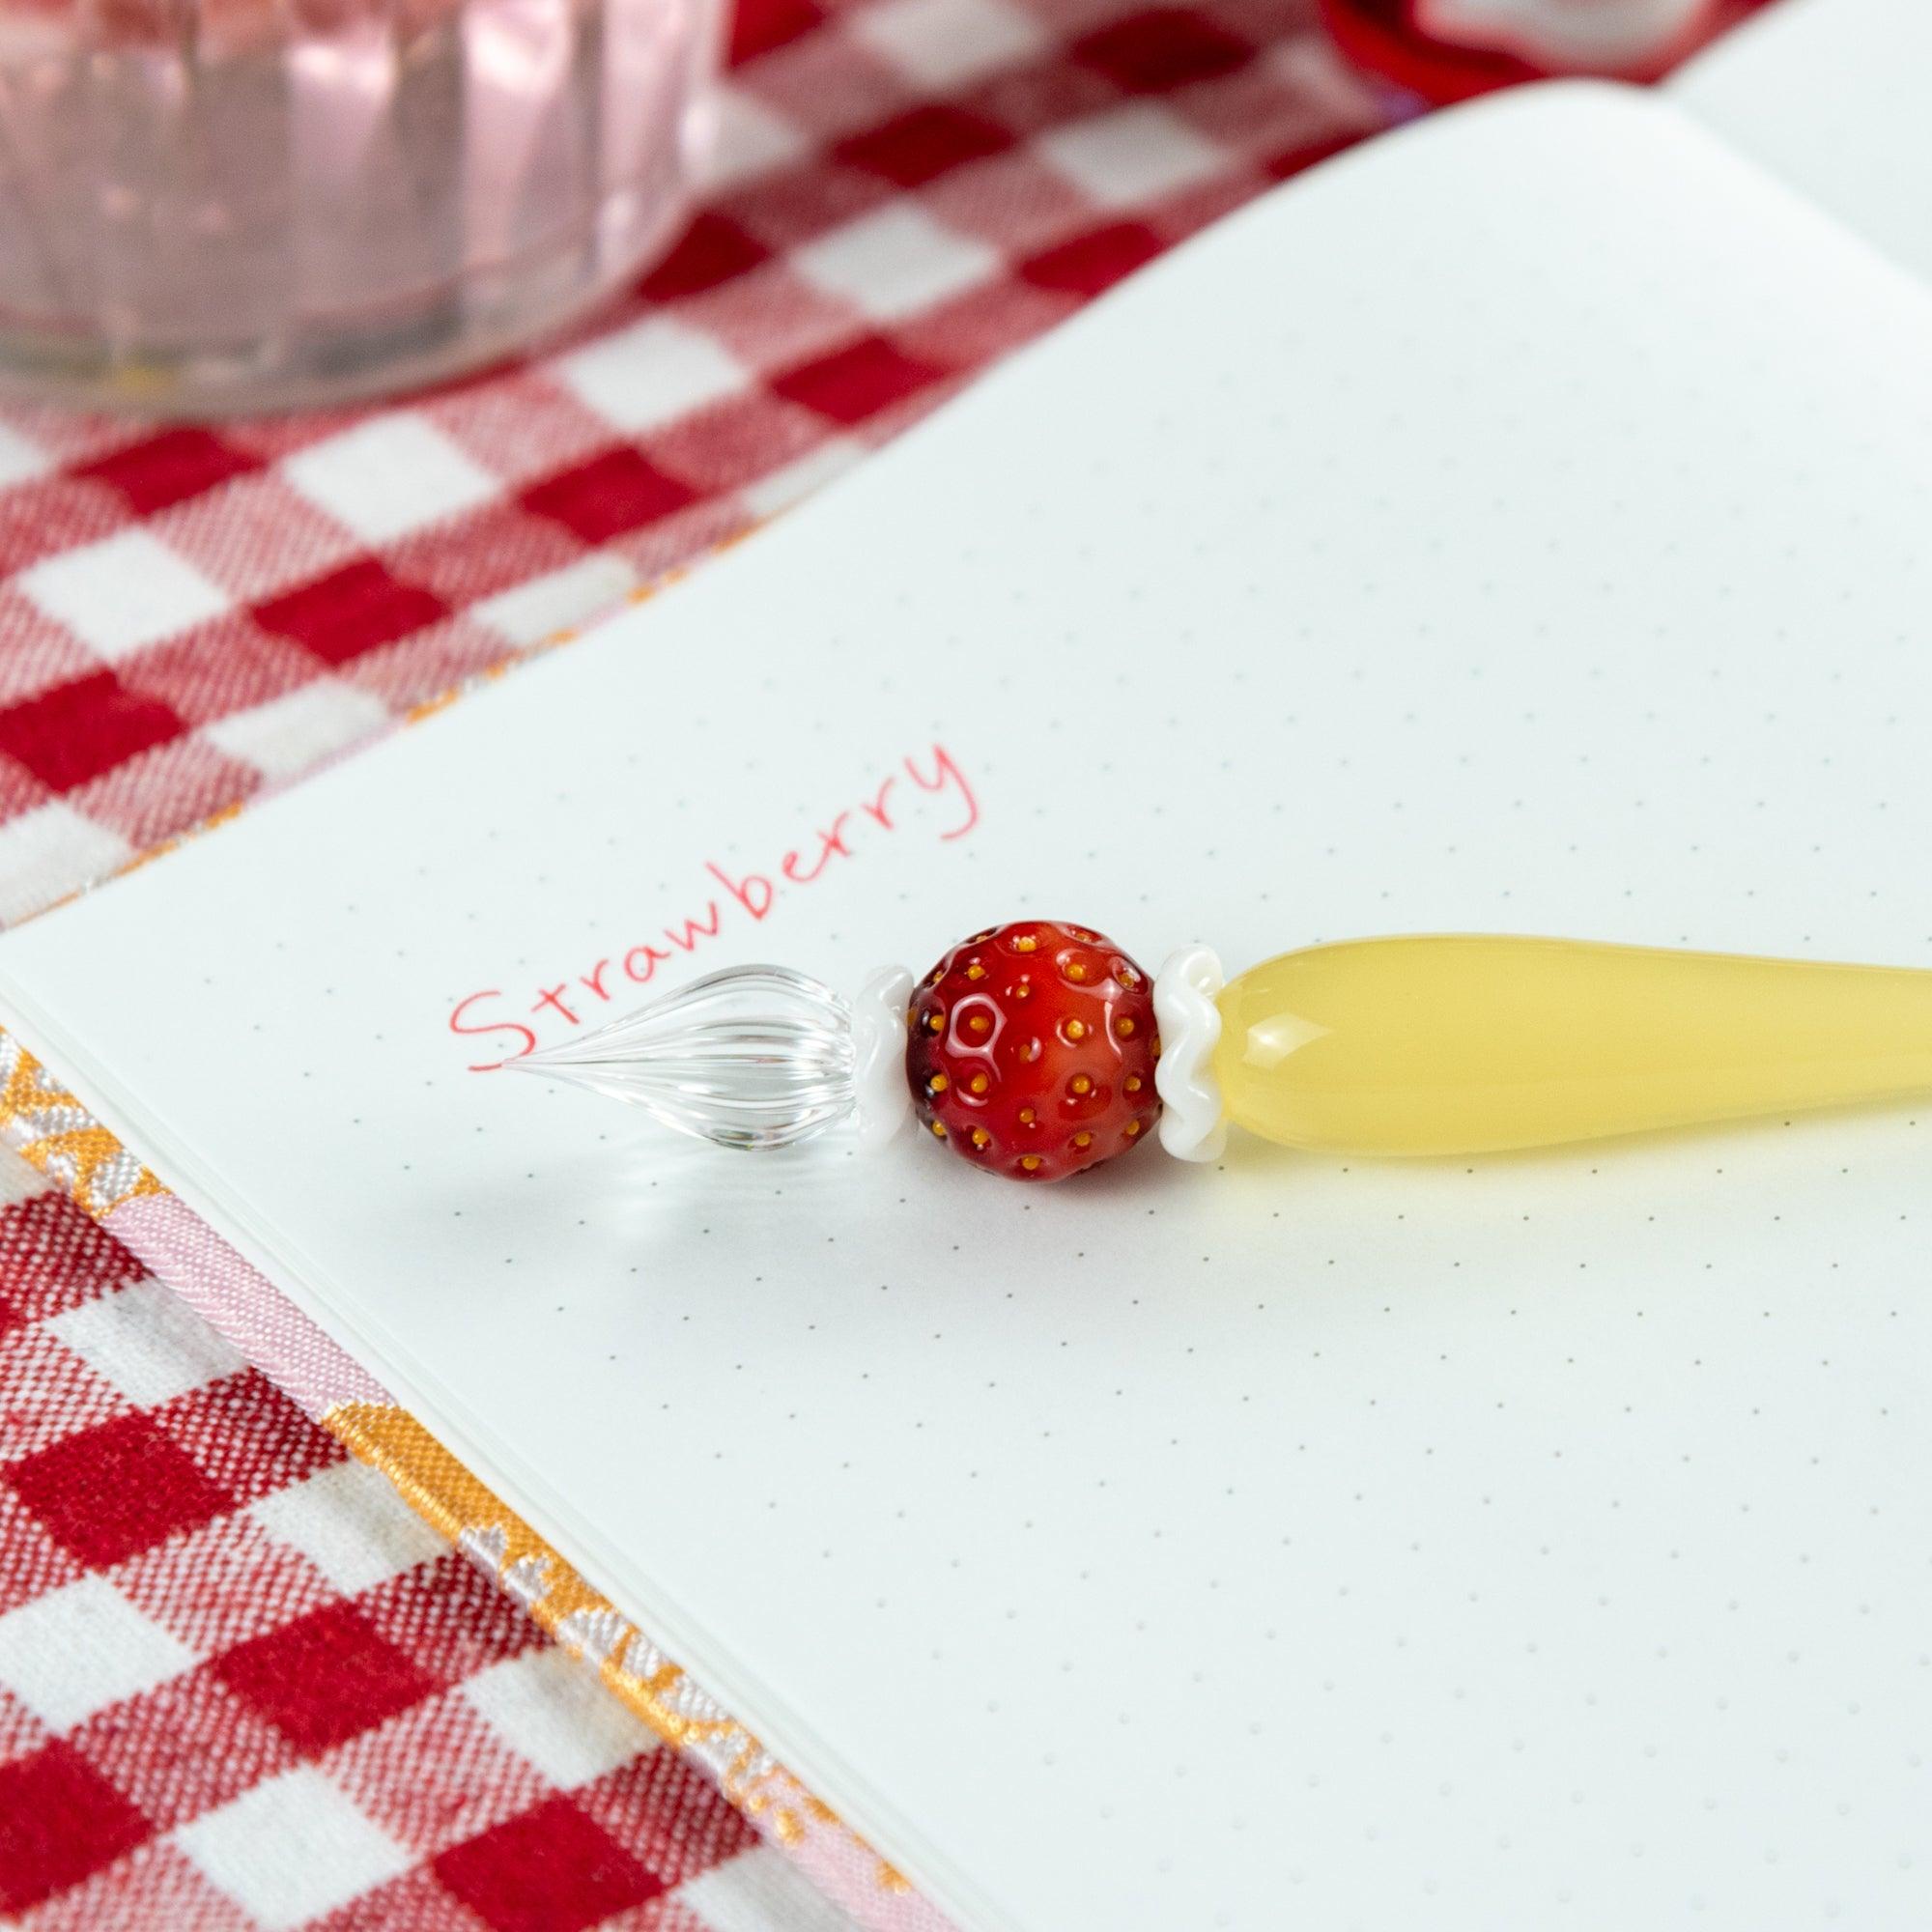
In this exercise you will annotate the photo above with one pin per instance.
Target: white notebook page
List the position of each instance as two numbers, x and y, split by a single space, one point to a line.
1517 525
1829 95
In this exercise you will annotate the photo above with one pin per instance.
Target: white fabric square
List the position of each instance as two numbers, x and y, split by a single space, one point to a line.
17 1180
894 262
290 1849
651 373
550 1710
752 140
759 1890
147 1341
126 590
1131 155
293 732
48 852
350 1524
20 461
395 473
543 605
779 489
950 42
80 1648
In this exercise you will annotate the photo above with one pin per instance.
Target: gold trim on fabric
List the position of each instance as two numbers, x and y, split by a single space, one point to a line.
448 1497
44 1123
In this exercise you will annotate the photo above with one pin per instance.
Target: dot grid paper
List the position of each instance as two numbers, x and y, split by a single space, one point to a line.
241 1683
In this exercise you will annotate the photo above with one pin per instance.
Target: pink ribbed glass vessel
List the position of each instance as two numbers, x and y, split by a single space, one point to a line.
210 205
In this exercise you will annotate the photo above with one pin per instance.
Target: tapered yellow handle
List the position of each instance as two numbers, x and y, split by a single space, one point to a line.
1465 1045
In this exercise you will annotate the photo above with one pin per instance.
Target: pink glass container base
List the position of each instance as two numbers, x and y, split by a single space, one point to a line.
217 206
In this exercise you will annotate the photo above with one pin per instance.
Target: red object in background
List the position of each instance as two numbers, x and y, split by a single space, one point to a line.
1393 40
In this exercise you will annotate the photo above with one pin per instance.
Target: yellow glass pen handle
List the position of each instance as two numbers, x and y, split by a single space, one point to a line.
1467 1045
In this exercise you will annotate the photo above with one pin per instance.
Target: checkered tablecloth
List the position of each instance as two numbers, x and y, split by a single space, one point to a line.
240 1684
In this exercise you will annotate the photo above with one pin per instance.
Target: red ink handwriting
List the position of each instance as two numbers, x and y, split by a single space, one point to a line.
503 1017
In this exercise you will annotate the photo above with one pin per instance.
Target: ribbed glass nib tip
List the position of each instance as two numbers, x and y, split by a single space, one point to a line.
753 1057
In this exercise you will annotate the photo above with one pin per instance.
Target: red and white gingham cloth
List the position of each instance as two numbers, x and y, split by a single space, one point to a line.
243 1686
239 1685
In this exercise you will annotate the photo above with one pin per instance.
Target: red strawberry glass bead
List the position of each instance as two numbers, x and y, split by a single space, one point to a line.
1031 1050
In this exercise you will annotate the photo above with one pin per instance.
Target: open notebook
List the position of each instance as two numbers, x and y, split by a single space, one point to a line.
1518 525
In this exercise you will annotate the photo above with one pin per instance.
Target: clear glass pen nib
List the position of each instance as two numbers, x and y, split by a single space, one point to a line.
753 1057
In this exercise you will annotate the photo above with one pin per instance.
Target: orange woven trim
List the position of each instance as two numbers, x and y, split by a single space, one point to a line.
44 1123
452 1501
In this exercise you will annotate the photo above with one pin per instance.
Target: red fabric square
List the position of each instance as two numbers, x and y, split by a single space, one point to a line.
31 1562
1164 47
1292 160
494 548
415 1902
157 1889
224 666
435 1776
548 1871
222 1584
48 1393
757 26
920 146
672 1817
154 794
858 381
1095 261
183 1748
612 494
351 610
324 1677
168 468
19 790
80 730
247 1434
450 1618
713 250
53 1256
59 1820
51 514
112 1489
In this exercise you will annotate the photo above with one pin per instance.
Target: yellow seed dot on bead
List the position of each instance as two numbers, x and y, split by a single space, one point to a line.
977 1084
1076 1028
1023 991
1028 1117
1124 1027
939 1130
1079 1084
935 1022
938 1084
1129 977
1031 1050
978 1024
976 971
982 1138
1026 943
1075 970
1134 1083
1133 1127
1083 1140
1029 1161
